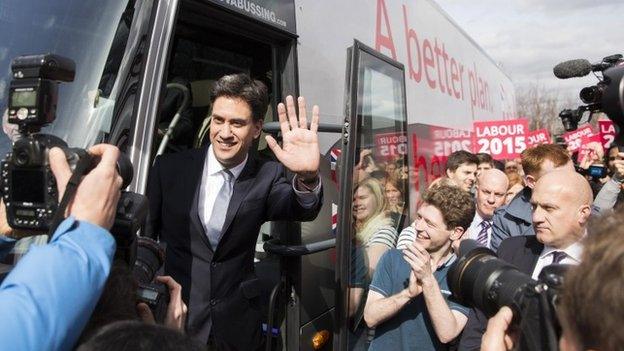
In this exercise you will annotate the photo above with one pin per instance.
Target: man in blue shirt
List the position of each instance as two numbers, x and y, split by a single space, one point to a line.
48 297
408 301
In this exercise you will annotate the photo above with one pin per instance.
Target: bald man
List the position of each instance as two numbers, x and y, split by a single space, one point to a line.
490 194
561 202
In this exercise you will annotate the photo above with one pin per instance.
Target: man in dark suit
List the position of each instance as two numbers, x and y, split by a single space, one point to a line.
207 206
561 203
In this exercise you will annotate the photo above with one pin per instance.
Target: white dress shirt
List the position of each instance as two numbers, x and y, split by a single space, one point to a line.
573 256
213 179
475 229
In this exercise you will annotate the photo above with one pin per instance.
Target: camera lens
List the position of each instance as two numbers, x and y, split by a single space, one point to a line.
479 279
22 158
591 95
150 257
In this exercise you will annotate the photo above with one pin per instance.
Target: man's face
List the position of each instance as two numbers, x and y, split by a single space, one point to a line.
511 166
232 130
464 175
431 231
555 215
490 195
483 166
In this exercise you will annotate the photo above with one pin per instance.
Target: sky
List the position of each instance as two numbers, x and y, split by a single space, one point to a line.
529 37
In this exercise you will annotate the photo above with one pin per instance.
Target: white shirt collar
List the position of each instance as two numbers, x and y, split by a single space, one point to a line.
214 166
573 251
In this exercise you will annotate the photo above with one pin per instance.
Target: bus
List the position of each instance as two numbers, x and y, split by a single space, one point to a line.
399 85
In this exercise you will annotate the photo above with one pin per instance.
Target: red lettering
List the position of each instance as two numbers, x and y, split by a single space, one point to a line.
454 77
429 63
380 39
438 53
445 56
410 35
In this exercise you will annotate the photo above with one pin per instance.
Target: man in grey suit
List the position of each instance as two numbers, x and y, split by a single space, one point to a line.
208 204
515 218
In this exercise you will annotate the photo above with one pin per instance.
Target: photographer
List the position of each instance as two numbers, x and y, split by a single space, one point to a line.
561 202
609 195
590 311
49 295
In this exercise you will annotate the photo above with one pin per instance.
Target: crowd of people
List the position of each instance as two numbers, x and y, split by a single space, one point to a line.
533 212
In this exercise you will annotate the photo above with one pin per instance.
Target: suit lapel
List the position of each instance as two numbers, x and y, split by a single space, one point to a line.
532 250
241 188
198 162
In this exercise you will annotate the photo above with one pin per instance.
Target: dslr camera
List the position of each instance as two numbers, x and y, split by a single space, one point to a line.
480 279
28 185
149 260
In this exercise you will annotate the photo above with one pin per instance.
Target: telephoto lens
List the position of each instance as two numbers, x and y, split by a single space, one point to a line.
480 279
149 258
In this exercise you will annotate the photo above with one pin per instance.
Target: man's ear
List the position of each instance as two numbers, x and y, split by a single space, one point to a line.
258 128
530 181
449 173
457 233
584 213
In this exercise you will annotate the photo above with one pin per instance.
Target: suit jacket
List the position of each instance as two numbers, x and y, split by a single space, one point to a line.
514 219
521 251
220 287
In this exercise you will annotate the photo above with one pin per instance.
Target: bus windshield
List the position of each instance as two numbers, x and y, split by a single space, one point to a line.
91 33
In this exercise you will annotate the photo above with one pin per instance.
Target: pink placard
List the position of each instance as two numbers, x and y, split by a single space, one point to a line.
501 139
537 137
574 138
390 146
607 132
446 140
585 148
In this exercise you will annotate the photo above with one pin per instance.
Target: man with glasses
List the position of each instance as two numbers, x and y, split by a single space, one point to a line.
408 298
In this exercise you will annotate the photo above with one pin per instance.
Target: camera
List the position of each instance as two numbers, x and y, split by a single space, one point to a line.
29 188
480 279
606 96
149 259
594 171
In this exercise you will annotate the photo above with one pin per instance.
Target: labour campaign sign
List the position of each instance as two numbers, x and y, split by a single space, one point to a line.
447 141
390 146
607 132
537 137
501 139
574 139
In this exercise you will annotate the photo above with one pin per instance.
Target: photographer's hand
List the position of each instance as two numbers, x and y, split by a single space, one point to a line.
176 310
618 166
497 336
98 192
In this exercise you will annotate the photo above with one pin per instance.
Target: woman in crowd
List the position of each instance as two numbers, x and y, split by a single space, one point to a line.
394 190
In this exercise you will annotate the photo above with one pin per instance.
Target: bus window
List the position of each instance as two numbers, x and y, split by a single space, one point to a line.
379 178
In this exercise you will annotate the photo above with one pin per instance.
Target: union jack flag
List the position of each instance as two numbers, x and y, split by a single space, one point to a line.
334 218
334 155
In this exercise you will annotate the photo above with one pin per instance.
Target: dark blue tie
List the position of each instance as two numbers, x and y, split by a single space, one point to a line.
558 256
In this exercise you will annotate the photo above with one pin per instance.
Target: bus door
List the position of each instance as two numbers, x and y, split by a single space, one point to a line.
194 43
374 196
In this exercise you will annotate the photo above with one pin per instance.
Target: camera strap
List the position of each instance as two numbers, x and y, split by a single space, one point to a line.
81 168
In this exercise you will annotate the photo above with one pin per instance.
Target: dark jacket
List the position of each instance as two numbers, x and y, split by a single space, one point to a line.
522 252
220 287
514 219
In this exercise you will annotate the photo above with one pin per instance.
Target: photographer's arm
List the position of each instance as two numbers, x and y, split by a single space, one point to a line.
51 292
607 196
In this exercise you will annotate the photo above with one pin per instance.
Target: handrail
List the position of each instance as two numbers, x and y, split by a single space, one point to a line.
274 246
274 127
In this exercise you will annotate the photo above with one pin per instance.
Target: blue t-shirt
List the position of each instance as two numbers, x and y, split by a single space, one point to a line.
411 328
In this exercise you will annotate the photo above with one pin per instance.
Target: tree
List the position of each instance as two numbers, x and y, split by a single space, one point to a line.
542 107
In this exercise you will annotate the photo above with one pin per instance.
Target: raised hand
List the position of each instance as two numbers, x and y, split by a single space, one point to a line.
419 259
300 149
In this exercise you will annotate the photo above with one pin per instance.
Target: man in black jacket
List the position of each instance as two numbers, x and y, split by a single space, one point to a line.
561 203
208 204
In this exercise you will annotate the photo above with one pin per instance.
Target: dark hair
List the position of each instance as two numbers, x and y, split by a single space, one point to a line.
459 158
498 165
241 86
457 206
139 336
485 158
118 301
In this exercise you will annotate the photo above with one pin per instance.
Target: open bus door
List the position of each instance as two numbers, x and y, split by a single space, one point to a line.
374 160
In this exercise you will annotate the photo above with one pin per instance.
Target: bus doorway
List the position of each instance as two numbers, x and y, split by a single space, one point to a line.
206 43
